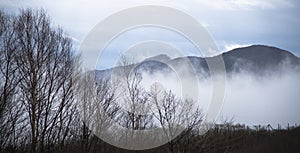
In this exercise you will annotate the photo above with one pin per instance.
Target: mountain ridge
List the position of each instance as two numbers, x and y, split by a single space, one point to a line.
257 59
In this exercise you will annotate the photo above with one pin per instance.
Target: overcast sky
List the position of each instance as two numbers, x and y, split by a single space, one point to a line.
232 23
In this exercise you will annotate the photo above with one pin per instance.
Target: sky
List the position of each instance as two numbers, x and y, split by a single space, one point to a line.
232 23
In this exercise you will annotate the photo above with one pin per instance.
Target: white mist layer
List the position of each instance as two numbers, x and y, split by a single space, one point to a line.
271 99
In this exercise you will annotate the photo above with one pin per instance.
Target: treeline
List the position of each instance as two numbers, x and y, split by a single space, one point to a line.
48 105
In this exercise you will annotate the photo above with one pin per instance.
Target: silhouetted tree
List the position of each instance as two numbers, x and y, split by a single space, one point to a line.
10 107
43 61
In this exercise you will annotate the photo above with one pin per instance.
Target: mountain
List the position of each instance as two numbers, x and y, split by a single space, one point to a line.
256 59
160 57
259 59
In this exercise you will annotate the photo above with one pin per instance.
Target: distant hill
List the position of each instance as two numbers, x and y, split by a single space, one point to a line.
259 59
256 59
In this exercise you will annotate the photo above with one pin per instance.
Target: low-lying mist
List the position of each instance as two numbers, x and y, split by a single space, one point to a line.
272 98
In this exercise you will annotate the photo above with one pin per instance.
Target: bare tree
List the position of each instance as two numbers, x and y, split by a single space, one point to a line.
97 105
45 64
136 112
175 116
10 107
